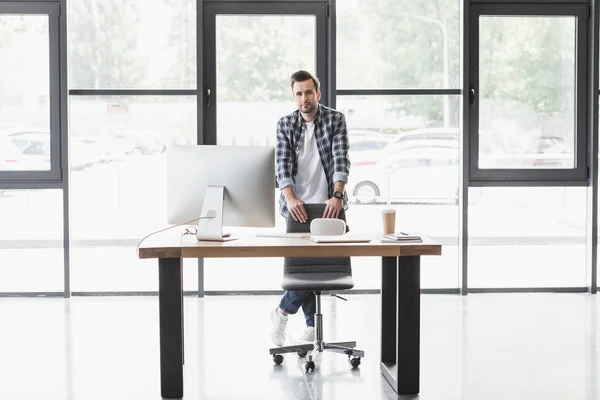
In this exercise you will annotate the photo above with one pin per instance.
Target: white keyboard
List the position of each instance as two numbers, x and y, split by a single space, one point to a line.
346 238
284 235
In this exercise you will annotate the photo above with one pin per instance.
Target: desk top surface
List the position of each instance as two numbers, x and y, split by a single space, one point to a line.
171 246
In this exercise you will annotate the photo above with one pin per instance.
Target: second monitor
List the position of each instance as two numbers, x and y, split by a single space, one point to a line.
221 185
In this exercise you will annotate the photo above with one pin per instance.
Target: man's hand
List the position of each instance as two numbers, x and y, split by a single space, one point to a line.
333 208
296 208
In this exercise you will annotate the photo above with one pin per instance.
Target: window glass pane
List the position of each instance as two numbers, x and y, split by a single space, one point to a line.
527 92
417 172
132 44
118 186
287 44
31 241
528 237
24 93
397 44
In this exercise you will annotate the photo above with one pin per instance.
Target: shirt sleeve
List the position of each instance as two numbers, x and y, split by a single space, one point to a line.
340 145
283 156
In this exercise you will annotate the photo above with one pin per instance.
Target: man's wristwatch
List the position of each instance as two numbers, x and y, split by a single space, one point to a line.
338 195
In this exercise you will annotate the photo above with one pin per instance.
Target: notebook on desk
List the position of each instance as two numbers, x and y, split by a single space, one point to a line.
402 238
347 238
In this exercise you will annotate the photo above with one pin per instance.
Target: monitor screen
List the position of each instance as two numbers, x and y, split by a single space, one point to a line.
246 174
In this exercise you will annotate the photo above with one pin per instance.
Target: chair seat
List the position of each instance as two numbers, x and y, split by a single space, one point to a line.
318 281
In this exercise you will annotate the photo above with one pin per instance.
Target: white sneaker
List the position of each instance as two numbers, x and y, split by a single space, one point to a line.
278 331
308 335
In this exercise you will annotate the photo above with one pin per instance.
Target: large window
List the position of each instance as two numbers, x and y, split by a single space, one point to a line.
529 99
529 91
132 79
29 106
132 76
250 91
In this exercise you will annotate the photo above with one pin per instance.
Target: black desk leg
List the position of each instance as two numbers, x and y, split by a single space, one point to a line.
389 280
170 304
402 368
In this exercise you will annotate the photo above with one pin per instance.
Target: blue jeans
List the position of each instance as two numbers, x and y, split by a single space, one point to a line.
292 301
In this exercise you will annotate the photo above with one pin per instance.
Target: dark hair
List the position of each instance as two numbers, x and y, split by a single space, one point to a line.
301 76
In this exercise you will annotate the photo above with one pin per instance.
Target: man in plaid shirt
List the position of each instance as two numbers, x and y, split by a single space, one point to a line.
312 167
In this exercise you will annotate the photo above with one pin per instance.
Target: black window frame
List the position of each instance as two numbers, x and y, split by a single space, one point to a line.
55 173
577 176
210 9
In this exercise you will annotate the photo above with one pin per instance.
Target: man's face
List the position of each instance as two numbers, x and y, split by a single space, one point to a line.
306 96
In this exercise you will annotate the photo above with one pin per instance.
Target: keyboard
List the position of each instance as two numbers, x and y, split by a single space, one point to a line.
290 235
347 238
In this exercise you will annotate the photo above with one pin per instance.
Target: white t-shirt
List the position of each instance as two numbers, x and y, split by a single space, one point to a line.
311 183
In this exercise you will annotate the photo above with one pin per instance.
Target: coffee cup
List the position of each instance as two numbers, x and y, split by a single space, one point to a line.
388 217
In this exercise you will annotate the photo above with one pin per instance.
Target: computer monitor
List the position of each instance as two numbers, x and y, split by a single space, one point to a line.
221 185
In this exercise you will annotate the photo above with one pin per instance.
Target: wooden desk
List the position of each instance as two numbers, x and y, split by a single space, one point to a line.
400 296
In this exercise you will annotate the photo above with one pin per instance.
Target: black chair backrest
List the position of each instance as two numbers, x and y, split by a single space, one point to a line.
313 211
293 265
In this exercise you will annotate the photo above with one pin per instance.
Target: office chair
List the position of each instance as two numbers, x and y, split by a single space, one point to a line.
317 275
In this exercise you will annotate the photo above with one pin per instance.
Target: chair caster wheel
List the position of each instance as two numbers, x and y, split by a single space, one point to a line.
277 359
309 366
355 362
302 353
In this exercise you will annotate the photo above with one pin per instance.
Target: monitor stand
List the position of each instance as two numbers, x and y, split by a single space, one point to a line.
210 225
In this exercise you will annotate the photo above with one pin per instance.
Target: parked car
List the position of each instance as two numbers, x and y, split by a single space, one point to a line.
37 144
364 133
32 143
84 153
420 173
104 149
419 144
14 159
366 150
446 134
361 145
492 151
134 141
487 142
551 151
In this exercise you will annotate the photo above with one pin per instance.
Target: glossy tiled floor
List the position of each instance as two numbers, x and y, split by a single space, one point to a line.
482 347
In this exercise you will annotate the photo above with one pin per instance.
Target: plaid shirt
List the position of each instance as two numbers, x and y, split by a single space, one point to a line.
332 142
